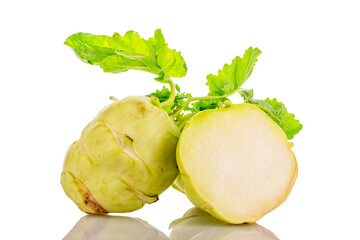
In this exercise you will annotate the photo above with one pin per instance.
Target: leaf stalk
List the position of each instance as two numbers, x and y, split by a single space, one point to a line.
171 98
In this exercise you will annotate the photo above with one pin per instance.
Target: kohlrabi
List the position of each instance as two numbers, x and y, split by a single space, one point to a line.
125 157
234 160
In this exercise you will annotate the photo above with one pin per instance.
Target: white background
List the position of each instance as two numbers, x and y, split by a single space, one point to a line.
309 61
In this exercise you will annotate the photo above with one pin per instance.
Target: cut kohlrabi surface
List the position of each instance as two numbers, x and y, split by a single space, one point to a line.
235 163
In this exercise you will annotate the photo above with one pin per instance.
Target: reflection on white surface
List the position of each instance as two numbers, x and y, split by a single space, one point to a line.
98 227
198 225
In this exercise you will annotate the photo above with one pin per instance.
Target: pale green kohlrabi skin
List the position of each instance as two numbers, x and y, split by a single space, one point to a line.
124 158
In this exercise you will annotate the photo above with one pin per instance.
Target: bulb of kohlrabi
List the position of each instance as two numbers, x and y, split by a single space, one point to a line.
124 158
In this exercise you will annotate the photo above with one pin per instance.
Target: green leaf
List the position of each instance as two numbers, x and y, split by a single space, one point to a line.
232 76
124 62
170 61
228 80
164 94
87 49
247 94
121 53
205 104
276 111
177 88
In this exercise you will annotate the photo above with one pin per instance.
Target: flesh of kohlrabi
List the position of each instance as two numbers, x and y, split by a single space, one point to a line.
235 163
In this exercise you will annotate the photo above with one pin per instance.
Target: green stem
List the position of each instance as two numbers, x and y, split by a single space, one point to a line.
177 112
188 116
181 124
199 98
171 98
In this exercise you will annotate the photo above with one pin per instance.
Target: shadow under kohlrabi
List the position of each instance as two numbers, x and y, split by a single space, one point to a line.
199 225
104 227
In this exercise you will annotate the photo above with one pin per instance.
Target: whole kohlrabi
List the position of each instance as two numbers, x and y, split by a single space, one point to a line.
125 157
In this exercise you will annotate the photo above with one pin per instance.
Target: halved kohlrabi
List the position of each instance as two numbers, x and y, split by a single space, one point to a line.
235 163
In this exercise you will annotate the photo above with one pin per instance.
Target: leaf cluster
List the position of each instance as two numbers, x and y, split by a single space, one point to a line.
164 95
276 111
118 53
